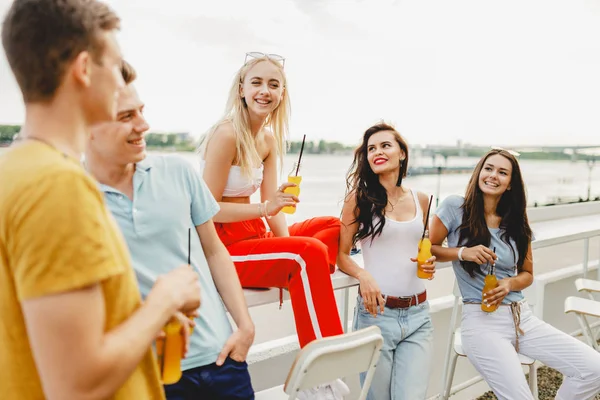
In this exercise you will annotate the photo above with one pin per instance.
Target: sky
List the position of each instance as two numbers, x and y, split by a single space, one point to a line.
508 73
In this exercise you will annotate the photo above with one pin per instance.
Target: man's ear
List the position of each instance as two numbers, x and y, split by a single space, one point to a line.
81 69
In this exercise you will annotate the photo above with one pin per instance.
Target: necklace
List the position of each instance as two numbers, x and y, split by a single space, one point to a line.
47 143
403 195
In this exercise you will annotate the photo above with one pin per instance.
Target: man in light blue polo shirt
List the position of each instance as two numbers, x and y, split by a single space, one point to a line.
156 200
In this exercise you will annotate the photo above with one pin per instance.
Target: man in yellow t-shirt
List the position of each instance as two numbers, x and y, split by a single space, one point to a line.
73 325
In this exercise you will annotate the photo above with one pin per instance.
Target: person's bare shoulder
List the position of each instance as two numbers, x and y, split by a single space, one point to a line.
224 134
222 145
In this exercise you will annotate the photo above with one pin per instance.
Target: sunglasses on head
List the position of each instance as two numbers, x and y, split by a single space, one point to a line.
270 56
511 152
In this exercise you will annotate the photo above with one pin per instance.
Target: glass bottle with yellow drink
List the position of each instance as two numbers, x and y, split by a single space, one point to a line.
169 351
423 256
293 177
424 253
490 282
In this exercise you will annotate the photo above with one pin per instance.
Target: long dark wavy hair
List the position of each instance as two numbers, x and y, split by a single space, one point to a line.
511 208
362 182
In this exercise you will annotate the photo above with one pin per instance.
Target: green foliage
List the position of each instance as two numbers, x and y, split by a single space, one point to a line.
322 147
7 132
175 141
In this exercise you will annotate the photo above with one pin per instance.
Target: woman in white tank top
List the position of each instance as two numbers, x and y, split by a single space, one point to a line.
387 219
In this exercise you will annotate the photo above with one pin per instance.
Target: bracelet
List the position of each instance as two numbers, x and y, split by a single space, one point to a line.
267 210
460 251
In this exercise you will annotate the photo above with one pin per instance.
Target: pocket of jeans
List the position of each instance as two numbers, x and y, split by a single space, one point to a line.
361 309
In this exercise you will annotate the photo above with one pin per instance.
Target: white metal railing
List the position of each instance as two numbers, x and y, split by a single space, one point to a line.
547 233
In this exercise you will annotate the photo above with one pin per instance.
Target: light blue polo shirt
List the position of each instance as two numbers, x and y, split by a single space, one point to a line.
169 197
450 213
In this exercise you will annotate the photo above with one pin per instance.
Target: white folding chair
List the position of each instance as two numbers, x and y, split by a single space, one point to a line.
582 308
455 349
327 359
590 286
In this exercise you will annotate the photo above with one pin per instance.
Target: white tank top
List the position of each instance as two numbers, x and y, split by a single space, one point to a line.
237 184
387 258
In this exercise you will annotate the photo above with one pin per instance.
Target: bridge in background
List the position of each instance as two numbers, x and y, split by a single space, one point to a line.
462 150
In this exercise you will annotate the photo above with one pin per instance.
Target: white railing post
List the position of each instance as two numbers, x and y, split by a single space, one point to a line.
586 255
598 270
345 306
450 344
540 293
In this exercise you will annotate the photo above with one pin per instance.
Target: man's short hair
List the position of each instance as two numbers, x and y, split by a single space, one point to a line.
41 38
128 72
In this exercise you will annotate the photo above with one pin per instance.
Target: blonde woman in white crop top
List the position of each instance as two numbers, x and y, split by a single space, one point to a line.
387 219
240 156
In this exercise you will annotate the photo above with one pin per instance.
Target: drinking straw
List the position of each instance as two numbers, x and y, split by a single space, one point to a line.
189 258
162 358
300 157
189 244
427 217
490 266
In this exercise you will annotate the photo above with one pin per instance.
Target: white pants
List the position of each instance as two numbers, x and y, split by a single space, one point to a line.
489 342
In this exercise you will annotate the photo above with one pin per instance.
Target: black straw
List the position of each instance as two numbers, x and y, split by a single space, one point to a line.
427 217
189 244
492 265
300 157
162 358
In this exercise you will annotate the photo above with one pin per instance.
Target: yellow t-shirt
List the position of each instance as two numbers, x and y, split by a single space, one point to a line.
56 235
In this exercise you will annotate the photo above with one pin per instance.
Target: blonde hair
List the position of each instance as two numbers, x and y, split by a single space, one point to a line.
236 113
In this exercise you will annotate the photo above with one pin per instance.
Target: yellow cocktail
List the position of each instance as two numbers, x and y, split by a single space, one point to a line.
295 190
169 351
423 256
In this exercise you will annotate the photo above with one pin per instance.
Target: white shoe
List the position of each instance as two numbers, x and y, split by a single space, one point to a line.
340 389
335 390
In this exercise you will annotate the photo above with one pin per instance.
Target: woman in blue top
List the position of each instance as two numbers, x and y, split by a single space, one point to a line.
493 215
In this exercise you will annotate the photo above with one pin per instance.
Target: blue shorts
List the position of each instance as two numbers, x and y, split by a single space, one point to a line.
230 381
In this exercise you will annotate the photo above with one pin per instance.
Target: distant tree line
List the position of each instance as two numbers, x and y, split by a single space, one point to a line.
183 141
171 140
320 147
8 132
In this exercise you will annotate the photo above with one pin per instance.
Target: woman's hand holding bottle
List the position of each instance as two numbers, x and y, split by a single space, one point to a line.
281 199
494 297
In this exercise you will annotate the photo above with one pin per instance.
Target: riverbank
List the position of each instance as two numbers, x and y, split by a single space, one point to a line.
340 150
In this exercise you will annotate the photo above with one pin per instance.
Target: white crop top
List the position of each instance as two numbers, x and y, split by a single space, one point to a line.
239 185
387 258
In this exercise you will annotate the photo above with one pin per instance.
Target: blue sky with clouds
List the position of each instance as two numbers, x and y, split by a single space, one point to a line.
510 72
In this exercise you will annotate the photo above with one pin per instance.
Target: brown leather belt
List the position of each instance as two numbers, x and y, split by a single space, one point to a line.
403 302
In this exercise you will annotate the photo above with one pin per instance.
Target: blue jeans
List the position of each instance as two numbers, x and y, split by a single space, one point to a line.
405 363
230 381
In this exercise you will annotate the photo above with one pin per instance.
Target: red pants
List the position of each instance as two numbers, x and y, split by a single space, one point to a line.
301 263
